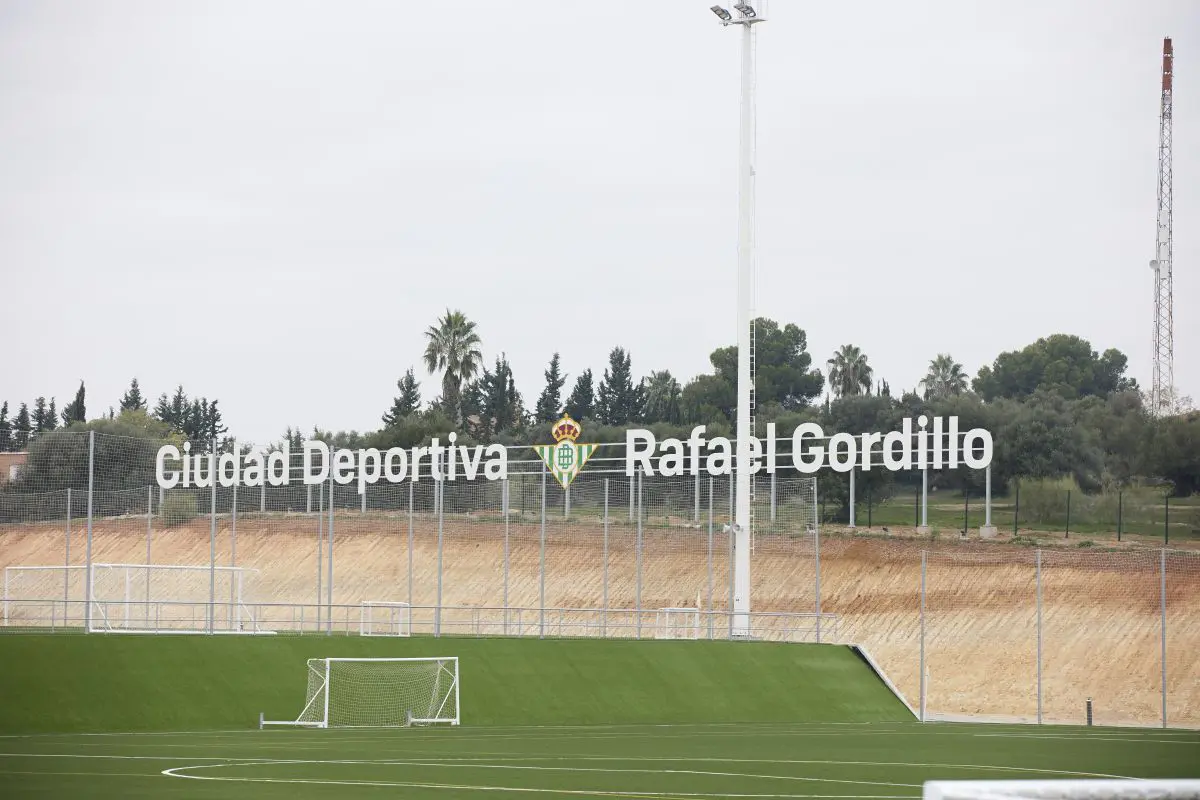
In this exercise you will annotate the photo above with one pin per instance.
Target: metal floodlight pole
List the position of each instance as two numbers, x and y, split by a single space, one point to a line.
746 17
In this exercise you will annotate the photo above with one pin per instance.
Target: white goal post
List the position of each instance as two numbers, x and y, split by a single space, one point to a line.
378 693
1105 789
171 598
677 623
384 618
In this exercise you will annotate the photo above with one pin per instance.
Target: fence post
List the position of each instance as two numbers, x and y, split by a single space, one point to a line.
729 528
233 525
329 565
438 489
1167 518
987 498
410 551
87 599
925 500
149 508
308 500
696 492
604 584
638 599
67 563
710 554
851 497
1039 636
631 497
1068 533
1016 506
1120 512
868 506
320 547
817 562
922 656
212 536
542 565
567 502
504 508
1163 638
262 498
966 508
773 504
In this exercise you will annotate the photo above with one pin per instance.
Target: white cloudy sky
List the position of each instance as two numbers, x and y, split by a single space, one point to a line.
269 202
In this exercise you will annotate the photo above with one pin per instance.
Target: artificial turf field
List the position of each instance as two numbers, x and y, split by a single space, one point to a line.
100 716
790 760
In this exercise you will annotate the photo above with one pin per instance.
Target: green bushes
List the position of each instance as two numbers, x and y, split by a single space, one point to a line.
178 508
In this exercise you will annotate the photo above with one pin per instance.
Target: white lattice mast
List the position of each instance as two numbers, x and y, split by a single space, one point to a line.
1162 383
744 16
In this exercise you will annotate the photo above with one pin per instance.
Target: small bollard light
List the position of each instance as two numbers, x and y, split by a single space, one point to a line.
1089 712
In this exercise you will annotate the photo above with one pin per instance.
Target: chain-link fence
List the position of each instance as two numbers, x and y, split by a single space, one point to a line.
964 628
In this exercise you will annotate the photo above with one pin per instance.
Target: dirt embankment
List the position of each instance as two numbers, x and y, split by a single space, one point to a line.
1101 621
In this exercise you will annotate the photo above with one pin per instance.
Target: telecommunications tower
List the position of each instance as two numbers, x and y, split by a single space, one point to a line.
1162 384
746 17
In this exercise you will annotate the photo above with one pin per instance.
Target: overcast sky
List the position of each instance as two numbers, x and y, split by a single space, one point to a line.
270 202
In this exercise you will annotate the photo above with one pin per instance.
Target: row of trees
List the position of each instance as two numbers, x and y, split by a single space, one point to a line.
1057 407
197 419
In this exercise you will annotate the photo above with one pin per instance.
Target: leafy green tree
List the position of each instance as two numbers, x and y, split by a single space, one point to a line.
453 348
783 373
125 446
944 378
619 401
133 400
1176 452
707 399
549 404
1062 364
582 402
849 372
405 403
663 399
76 411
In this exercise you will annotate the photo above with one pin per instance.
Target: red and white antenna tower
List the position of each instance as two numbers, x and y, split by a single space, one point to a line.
1162 386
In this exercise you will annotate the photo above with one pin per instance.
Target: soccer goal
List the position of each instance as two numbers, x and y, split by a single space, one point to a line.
378 693
1104 789
172 598
677 623
384 618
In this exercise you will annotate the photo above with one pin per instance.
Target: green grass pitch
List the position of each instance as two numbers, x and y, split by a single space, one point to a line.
176 717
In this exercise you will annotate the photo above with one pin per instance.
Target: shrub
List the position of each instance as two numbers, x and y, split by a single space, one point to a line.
178 509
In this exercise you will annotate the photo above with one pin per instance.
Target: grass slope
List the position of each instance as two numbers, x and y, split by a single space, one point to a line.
77 683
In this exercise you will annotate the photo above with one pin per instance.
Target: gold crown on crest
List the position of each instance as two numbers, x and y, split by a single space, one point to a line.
566 428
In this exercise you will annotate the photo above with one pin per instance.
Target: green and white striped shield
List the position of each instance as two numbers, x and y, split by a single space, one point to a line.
565 459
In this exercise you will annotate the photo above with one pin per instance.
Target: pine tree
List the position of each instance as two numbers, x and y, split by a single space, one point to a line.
5 429
618 400
133 400
501 402
549 404
407 402
581 404
39 415
76 411
21 428
51 416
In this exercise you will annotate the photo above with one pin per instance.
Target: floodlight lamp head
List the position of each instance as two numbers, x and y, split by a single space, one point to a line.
745 9
722 13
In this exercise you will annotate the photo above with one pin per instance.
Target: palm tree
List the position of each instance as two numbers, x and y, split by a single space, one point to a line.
849 373
662 398
944 378
453 347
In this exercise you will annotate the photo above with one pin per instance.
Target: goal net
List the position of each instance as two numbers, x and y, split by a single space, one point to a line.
1062 790
383 618
677 623
171 598
378 692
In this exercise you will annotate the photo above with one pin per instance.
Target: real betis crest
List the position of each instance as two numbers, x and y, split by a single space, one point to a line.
565 458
